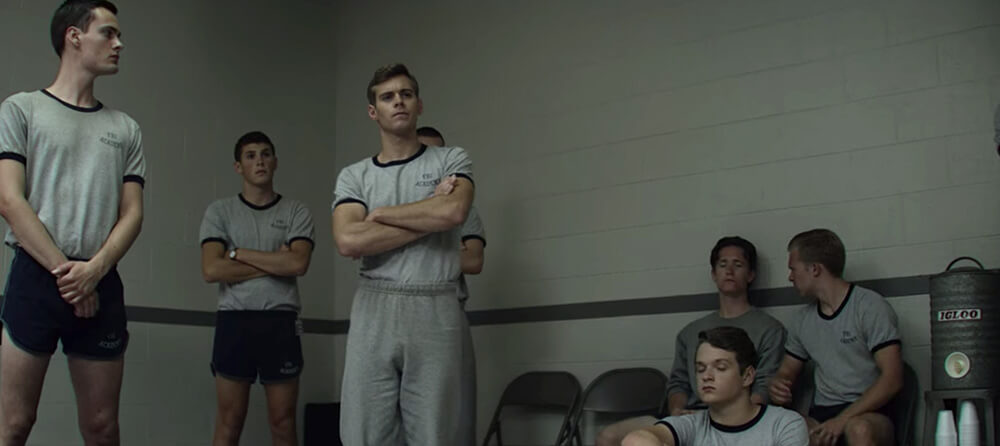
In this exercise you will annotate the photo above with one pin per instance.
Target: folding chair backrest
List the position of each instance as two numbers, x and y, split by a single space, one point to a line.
542 390
625 391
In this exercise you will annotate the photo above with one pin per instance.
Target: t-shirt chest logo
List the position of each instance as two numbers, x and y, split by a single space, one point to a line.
846 337
111 139
279 224
428 180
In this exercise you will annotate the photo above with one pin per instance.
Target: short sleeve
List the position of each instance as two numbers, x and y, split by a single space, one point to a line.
684 428
878 323
13 132
348 189
213 226
793 345
135 162
301 227
473 226
458 163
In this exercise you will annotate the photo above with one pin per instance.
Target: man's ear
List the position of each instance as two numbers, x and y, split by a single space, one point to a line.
72 36
749 374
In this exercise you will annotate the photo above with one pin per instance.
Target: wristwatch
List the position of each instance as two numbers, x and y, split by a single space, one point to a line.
232 254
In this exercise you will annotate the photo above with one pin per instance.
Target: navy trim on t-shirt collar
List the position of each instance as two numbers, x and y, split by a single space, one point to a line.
740 428
839 309
423 148
277 198
74 107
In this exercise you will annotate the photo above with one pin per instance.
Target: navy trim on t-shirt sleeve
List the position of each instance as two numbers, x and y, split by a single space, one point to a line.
214 239
795 356
134 179
466 176
351 200
14 156
673 433
886 344
474 236
311 242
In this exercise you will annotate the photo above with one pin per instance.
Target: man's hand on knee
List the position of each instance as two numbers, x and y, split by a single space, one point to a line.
827 433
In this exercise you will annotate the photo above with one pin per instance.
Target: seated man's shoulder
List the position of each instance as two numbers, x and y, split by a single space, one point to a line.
866 293
782 418
764 318
708 321
868 301
783 413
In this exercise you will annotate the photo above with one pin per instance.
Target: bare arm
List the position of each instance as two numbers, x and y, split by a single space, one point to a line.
657 435
355 237
290 261
676 404
770 353
77 279
472 256
890 380
22 219
679 384
126 229
780 388
31 233
435 214
216 267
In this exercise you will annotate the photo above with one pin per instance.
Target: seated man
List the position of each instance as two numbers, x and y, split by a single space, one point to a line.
734 265
852 335
725 368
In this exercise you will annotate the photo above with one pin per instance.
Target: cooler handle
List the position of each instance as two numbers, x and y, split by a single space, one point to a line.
953 262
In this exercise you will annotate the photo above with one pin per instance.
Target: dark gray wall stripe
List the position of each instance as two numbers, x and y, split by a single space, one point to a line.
207 319
771 297
170 316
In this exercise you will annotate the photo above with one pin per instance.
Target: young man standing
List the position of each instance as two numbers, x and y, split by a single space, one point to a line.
71 179
472 253
408 331
734 267
473 233
725 367
255 245
851 332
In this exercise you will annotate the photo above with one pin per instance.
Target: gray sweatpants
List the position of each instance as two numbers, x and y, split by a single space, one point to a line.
403 366
467 427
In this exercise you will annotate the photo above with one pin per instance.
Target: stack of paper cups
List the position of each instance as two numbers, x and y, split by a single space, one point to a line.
968 425
945 434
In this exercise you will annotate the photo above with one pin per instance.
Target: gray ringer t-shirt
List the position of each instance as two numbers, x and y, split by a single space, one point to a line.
471 229
76 160
431 259
237 223
843 345
767 334
773 426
